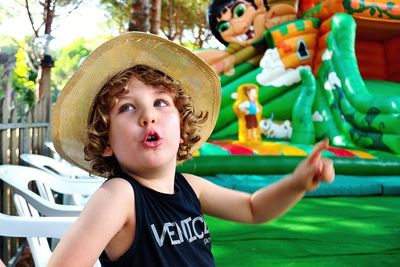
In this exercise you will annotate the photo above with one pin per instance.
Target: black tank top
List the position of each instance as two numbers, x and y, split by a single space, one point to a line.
170 229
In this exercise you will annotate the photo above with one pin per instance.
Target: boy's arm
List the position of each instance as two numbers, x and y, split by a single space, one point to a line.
103 216
269 202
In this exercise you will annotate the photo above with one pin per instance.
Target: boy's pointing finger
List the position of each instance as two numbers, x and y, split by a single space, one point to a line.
315 155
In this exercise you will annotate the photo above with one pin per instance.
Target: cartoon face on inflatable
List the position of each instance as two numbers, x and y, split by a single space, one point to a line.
237 21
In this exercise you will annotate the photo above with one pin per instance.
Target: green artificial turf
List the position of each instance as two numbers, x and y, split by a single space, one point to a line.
336 231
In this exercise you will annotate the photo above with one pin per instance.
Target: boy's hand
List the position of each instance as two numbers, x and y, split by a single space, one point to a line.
314 169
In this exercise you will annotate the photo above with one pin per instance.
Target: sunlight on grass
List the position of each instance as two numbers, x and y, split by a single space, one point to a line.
352 231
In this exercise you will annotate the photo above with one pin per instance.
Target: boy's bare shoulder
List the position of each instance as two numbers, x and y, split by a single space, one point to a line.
115 196
196 182
118 187
191 178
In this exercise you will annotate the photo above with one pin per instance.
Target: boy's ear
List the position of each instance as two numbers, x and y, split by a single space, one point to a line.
108 152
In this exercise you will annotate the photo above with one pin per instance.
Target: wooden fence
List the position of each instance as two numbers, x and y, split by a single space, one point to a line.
19 134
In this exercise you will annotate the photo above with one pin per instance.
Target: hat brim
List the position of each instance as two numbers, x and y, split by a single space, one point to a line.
72 109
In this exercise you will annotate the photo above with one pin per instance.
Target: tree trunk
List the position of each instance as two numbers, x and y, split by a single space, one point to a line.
139 16
155 16
44 75
48 15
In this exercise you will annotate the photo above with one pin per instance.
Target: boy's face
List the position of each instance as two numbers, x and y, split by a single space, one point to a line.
144 129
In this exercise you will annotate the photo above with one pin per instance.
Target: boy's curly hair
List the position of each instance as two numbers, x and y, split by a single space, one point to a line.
99 121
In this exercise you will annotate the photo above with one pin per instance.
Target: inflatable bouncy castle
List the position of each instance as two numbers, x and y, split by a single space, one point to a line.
293 73
321 69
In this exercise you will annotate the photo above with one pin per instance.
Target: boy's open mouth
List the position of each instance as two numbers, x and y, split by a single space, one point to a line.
152 139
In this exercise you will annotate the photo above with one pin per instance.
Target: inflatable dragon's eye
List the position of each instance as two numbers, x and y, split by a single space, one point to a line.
239 10
223 26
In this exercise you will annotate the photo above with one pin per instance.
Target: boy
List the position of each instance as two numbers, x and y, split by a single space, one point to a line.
135 108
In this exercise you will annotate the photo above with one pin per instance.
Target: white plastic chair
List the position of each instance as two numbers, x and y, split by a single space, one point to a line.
57 168
29 224
54 152
53 166
34 228
19 226
19 178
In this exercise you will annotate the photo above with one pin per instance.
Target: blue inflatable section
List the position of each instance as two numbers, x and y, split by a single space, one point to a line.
344 185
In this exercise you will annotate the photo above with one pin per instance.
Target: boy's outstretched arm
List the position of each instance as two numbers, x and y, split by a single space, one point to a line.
287 192
271 201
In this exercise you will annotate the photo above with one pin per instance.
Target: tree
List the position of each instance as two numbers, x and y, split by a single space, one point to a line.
43 13
8 49
179 20
47 9
139 16
23 81
68 61
118 13
155 16
186 20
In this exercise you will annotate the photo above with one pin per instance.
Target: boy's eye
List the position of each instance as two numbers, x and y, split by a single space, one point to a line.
126 107
223 26
160 103
239 10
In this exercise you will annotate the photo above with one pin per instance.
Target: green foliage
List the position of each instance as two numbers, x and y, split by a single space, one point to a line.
68 61
6 11
8 49
1 85
23 79
117 12
186 21
63 3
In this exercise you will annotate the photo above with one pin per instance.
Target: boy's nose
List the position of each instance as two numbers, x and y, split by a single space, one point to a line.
147 119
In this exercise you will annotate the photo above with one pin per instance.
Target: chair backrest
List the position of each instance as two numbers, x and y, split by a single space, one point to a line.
35 229
20 177
29 223
57 168
19 226
53 166
39 246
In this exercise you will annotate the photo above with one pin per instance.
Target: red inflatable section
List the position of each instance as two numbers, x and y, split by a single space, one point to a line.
339 152
379 60
234 149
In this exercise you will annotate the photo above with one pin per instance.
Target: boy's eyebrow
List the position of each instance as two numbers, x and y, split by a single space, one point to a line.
123 96
156 91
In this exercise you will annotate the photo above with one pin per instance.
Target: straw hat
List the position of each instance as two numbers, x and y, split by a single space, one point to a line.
72 109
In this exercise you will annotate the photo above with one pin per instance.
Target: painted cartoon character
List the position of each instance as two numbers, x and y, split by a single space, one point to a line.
237 21
250 110
240 25
244 21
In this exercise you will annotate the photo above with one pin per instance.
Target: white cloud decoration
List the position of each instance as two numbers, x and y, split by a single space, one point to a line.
274 72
